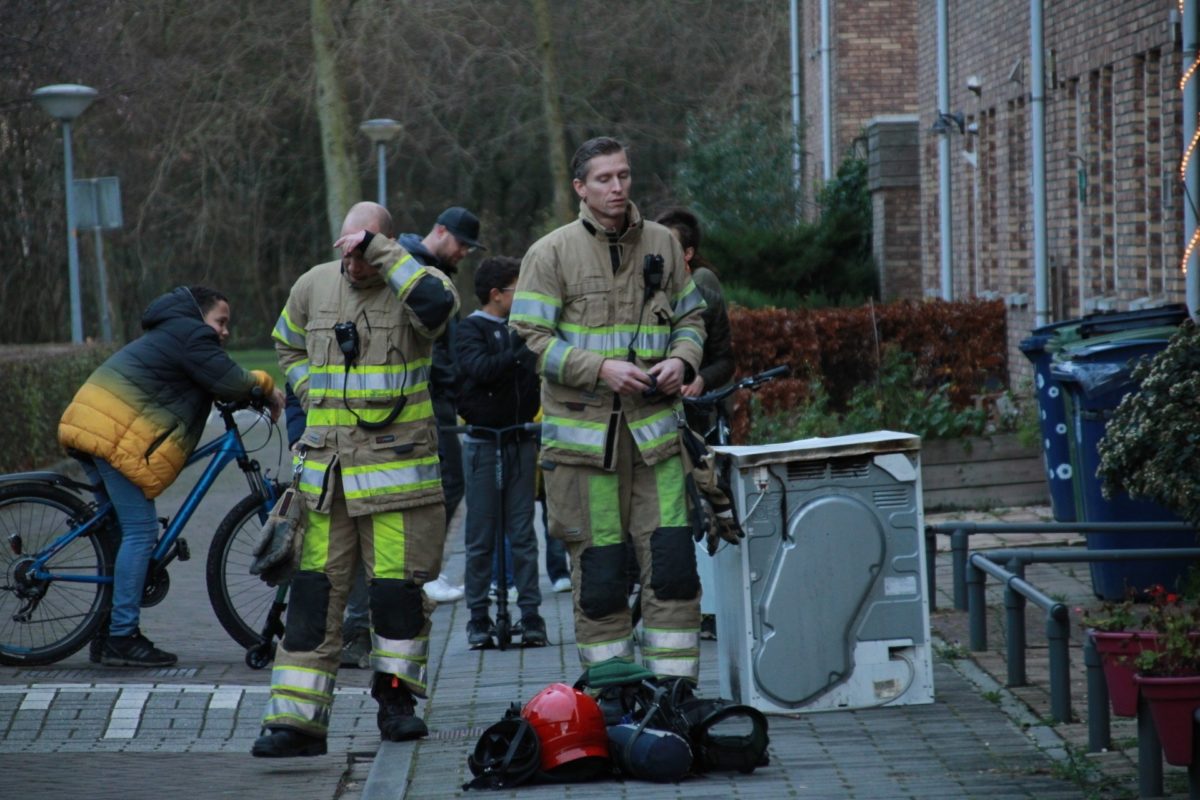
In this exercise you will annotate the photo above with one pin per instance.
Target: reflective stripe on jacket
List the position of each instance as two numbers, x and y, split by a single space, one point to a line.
385 469
581 299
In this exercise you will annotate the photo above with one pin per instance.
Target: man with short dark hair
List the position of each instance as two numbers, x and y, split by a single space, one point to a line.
607 304
453 237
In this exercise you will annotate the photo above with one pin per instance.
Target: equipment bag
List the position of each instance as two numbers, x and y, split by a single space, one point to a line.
722 735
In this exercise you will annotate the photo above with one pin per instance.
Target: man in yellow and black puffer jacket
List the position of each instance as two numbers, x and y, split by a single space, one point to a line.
355 341
607 304
135 422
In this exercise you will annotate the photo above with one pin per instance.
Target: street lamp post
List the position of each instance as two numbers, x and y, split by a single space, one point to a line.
381 131
65 102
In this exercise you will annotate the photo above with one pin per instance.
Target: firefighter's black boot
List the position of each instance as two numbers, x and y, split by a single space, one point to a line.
397 717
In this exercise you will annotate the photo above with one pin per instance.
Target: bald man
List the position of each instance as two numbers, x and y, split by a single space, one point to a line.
355 340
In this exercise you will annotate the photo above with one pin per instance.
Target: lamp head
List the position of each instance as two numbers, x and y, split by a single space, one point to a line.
942 125
64 101
381 130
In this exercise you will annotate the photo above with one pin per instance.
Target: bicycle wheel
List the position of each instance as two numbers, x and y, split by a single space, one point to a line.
240 600
42 621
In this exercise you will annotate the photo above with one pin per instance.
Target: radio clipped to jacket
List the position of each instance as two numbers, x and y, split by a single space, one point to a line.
346 334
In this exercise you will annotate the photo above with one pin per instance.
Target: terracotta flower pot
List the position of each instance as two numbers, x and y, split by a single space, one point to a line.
1117 651
1173 701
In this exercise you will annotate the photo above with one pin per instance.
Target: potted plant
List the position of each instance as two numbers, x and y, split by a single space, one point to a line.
1119 635
1169 675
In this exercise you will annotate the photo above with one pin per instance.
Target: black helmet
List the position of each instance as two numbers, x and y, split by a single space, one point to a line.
507 754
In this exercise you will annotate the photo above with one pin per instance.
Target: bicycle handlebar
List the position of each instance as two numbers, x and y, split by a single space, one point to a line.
484 432
750 382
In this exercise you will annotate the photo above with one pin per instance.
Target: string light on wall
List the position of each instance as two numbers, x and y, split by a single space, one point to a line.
1189 152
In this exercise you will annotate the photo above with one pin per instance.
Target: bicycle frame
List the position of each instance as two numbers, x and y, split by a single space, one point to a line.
223 450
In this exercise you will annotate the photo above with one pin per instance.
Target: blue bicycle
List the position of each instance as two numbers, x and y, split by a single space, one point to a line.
57 550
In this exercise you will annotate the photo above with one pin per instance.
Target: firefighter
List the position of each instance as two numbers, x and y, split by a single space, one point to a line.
354 341
607 305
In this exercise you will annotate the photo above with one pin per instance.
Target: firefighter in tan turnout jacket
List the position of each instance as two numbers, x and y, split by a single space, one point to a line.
607 304
354 341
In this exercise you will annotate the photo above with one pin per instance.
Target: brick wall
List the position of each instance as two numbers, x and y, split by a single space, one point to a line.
1112 111
873 62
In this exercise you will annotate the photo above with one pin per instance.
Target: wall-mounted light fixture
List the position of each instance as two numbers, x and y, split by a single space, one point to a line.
944 122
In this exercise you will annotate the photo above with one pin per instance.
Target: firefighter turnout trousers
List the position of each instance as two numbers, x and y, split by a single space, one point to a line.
401 550
600 515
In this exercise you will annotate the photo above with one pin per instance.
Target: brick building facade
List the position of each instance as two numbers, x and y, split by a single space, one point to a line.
1114 202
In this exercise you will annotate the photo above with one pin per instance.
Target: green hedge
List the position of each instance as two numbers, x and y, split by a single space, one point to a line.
37 384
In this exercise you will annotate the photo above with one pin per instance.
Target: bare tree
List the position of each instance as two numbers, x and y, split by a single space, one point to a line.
342 186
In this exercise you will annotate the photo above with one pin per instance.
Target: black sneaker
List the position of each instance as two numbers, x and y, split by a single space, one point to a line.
356 652
533 630
397 717
134 650
287 743
479 632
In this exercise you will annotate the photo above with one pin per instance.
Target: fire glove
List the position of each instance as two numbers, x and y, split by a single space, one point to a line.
277 554
713 515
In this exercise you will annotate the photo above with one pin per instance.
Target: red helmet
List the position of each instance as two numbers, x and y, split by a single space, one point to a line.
570 726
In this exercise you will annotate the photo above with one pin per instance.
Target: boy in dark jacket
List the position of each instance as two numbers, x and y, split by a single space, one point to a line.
499 388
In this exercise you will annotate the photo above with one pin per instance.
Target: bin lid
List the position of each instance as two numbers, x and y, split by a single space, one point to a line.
819 448
1135 337
1172 314
1101 366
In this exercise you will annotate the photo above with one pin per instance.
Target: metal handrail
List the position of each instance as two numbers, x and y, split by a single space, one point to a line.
961 531
1016 592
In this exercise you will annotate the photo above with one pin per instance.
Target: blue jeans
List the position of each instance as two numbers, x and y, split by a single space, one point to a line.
139 534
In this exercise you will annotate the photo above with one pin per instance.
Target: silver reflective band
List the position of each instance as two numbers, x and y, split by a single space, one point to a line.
368 381
571 435
390 477
535 309
674 667
281 708
303 681
403 273
654 430
665 641
595 653
288 333
687 301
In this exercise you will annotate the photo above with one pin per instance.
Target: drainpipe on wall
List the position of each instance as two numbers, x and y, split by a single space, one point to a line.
943 103
796 166
1191 178
827 92
1037 89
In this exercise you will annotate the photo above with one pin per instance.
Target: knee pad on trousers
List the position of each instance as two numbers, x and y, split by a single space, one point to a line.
673 573
397 608
603 581
308 605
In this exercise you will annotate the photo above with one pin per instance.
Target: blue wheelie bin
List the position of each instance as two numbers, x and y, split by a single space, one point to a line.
1096 374
1066 497
1052 421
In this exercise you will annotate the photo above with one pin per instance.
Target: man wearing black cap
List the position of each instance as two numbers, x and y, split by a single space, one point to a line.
454 236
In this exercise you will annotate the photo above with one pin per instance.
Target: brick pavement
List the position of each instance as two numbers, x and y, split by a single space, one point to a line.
189 729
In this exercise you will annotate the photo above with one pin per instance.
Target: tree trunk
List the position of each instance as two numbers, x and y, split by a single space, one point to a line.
557 151
342 186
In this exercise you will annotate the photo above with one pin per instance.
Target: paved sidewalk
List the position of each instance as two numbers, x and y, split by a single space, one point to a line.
75 730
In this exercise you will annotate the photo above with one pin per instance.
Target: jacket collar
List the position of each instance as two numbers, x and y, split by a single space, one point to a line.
633 223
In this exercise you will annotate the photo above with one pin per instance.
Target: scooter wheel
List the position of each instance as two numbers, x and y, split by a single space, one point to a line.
503 635
260 655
